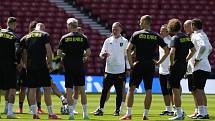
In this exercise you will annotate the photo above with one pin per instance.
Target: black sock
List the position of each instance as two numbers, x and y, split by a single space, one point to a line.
20 105
39 105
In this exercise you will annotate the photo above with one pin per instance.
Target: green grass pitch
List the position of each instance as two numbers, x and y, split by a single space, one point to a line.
137 110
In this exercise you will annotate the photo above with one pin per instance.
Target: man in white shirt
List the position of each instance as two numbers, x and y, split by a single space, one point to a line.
164 73
114 52
188 30
201 67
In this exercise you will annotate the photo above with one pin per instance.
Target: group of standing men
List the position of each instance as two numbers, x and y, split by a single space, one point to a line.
178 51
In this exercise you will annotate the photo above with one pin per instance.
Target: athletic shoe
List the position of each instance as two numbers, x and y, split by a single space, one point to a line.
167 113
99 112
193 115
40 111
53 116
126 117
20 110
201 117
116 113
36 116
94 111
12 116
207 116
145 118
177 118
71 117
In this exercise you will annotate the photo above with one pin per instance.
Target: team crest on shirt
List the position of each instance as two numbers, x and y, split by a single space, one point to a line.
121 44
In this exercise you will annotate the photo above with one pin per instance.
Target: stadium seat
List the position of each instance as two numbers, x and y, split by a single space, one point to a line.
128 12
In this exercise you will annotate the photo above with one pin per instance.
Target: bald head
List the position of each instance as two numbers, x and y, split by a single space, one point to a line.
187 27
116 29
145 21
40 26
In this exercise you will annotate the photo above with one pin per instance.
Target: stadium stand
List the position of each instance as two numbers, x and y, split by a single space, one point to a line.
55 20
128 13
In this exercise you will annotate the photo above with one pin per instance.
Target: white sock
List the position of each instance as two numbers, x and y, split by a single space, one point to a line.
71 109
179 111
146 112
196 110
128 111
205 110
33 108
62 98
173 108
122 106
10 109
74 103
84 107
168 108
6 105
201 110
49 108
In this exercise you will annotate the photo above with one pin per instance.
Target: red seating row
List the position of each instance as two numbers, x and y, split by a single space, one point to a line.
128 13
55 21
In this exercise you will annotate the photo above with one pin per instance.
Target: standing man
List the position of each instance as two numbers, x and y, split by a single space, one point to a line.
182 49
36 49
114 52
201 67
189 76
145 41
22 75
8 64
164 73
71 49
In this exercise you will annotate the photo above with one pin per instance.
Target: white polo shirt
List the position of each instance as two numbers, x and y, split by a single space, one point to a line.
117 61
199 38
164 66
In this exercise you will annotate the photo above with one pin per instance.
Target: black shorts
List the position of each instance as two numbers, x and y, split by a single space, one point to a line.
22 78
190 82
113 79
165 85
8 76
199 79
74 77
177 72
143 70
38 78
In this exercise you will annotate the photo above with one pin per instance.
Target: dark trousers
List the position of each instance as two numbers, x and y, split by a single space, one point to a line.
108 82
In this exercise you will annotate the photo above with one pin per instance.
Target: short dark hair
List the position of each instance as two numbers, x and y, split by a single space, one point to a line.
11 20
174 25
32 25
197 23
147 18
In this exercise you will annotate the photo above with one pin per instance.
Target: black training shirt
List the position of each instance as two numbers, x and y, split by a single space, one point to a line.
34 43
182 43
73 45
146 42
7 46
